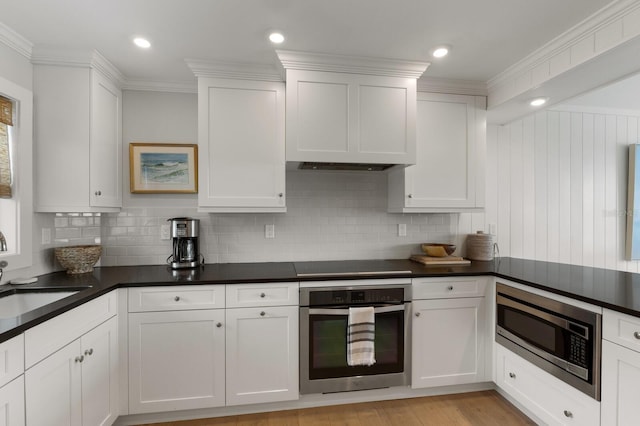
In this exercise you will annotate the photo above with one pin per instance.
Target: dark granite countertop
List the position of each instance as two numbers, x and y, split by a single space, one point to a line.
617 290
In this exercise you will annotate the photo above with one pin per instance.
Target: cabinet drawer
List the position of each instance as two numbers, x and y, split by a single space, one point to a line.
550 399
176 298
48 337
621 329
11 359
445 288
269 294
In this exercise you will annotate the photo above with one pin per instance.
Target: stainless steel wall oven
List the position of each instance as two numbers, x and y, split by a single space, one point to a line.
323 338
562 339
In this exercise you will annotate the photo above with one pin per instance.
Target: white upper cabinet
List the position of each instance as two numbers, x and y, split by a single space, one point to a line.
78 140
241 146
449 174
350 110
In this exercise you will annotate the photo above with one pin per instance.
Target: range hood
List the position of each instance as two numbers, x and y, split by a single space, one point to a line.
349 113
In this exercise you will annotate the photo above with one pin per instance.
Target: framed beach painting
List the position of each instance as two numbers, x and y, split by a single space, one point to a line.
163 168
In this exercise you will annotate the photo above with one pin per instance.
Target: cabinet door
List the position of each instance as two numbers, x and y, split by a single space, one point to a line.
449 171
350 118
176 360
12 403
100 374
620 385
106 143
241 146
53 389
262 354
448 342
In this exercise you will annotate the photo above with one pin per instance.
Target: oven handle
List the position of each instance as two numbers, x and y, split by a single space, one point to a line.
379 310
561 322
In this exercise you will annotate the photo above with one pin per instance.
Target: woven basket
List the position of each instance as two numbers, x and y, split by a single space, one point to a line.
480 246
78 259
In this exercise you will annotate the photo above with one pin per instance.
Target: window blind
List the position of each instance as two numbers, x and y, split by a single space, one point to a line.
6 119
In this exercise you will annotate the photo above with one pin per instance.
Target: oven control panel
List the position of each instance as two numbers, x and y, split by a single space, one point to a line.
367 296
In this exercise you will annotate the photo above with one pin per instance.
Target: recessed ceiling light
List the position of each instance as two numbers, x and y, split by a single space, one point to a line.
440 51
142 42
276 38
538 101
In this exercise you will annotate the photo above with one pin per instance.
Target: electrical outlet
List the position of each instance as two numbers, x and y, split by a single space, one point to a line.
46 235
269 231
165 233
402 230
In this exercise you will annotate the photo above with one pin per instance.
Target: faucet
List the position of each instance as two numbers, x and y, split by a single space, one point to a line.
3 243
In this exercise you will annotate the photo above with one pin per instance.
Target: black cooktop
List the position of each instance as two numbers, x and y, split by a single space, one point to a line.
332 268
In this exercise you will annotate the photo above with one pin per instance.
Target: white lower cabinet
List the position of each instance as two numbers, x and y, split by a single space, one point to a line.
447 342
262 354
553 401
176 360
12 403
76 385
620 369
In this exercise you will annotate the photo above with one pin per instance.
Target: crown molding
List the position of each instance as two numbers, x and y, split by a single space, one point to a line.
452 86
80 58
579 32
160 86
15 41
309 61
234 70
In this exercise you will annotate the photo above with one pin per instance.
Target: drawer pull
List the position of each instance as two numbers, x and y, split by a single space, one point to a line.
568 413
263 313
88 352
219 325
79 358
263 295
177 298
512 375
636 334
417 314
450 288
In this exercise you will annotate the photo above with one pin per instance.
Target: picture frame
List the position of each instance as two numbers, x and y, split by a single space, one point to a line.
163 168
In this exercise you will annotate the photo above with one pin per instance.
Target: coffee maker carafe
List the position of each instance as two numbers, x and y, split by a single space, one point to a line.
186 252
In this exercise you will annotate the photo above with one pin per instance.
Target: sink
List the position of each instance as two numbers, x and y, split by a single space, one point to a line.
20 303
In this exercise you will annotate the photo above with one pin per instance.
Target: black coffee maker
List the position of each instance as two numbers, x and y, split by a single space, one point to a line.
186 251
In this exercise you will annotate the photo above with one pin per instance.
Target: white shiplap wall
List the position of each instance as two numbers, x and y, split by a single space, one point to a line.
557 187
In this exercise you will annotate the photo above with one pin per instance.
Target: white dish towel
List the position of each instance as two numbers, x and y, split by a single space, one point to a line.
360 336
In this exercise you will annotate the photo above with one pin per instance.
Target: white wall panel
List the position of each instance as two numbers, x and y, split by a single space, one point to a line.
557 187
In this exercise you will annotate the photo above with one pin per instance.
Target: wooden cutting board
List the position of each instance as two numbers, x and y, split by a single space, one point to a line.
448 260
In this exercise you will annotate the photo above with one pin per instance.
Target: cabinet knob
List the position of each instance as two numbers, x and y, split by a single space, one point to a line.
636 334
263 295
263 313
568 413
177 298
79 358
281 195
410 196
417 314
219 325
512 375
88 352
98 193
450 288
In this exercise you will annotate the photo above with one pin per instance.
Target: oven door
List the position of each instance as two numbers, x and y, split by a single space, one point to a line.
323 350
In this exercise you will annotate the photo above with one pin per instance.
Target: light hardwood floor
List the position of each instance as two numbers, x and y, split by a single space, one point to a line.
476 408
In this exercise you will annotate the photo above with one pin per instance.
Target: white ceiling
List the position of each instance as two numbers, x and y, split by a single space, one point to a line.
486 36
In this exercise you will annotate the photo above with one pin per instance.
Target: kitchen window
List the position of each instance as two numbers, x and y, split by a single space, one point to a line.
16 180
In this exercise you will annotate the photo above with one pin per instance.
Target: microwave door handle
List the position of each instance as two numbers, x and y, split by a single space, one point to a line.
378 310
561 322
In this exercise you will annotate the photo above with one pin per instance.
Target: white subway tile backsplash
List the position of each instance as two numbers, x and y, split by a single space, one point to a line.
330 216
